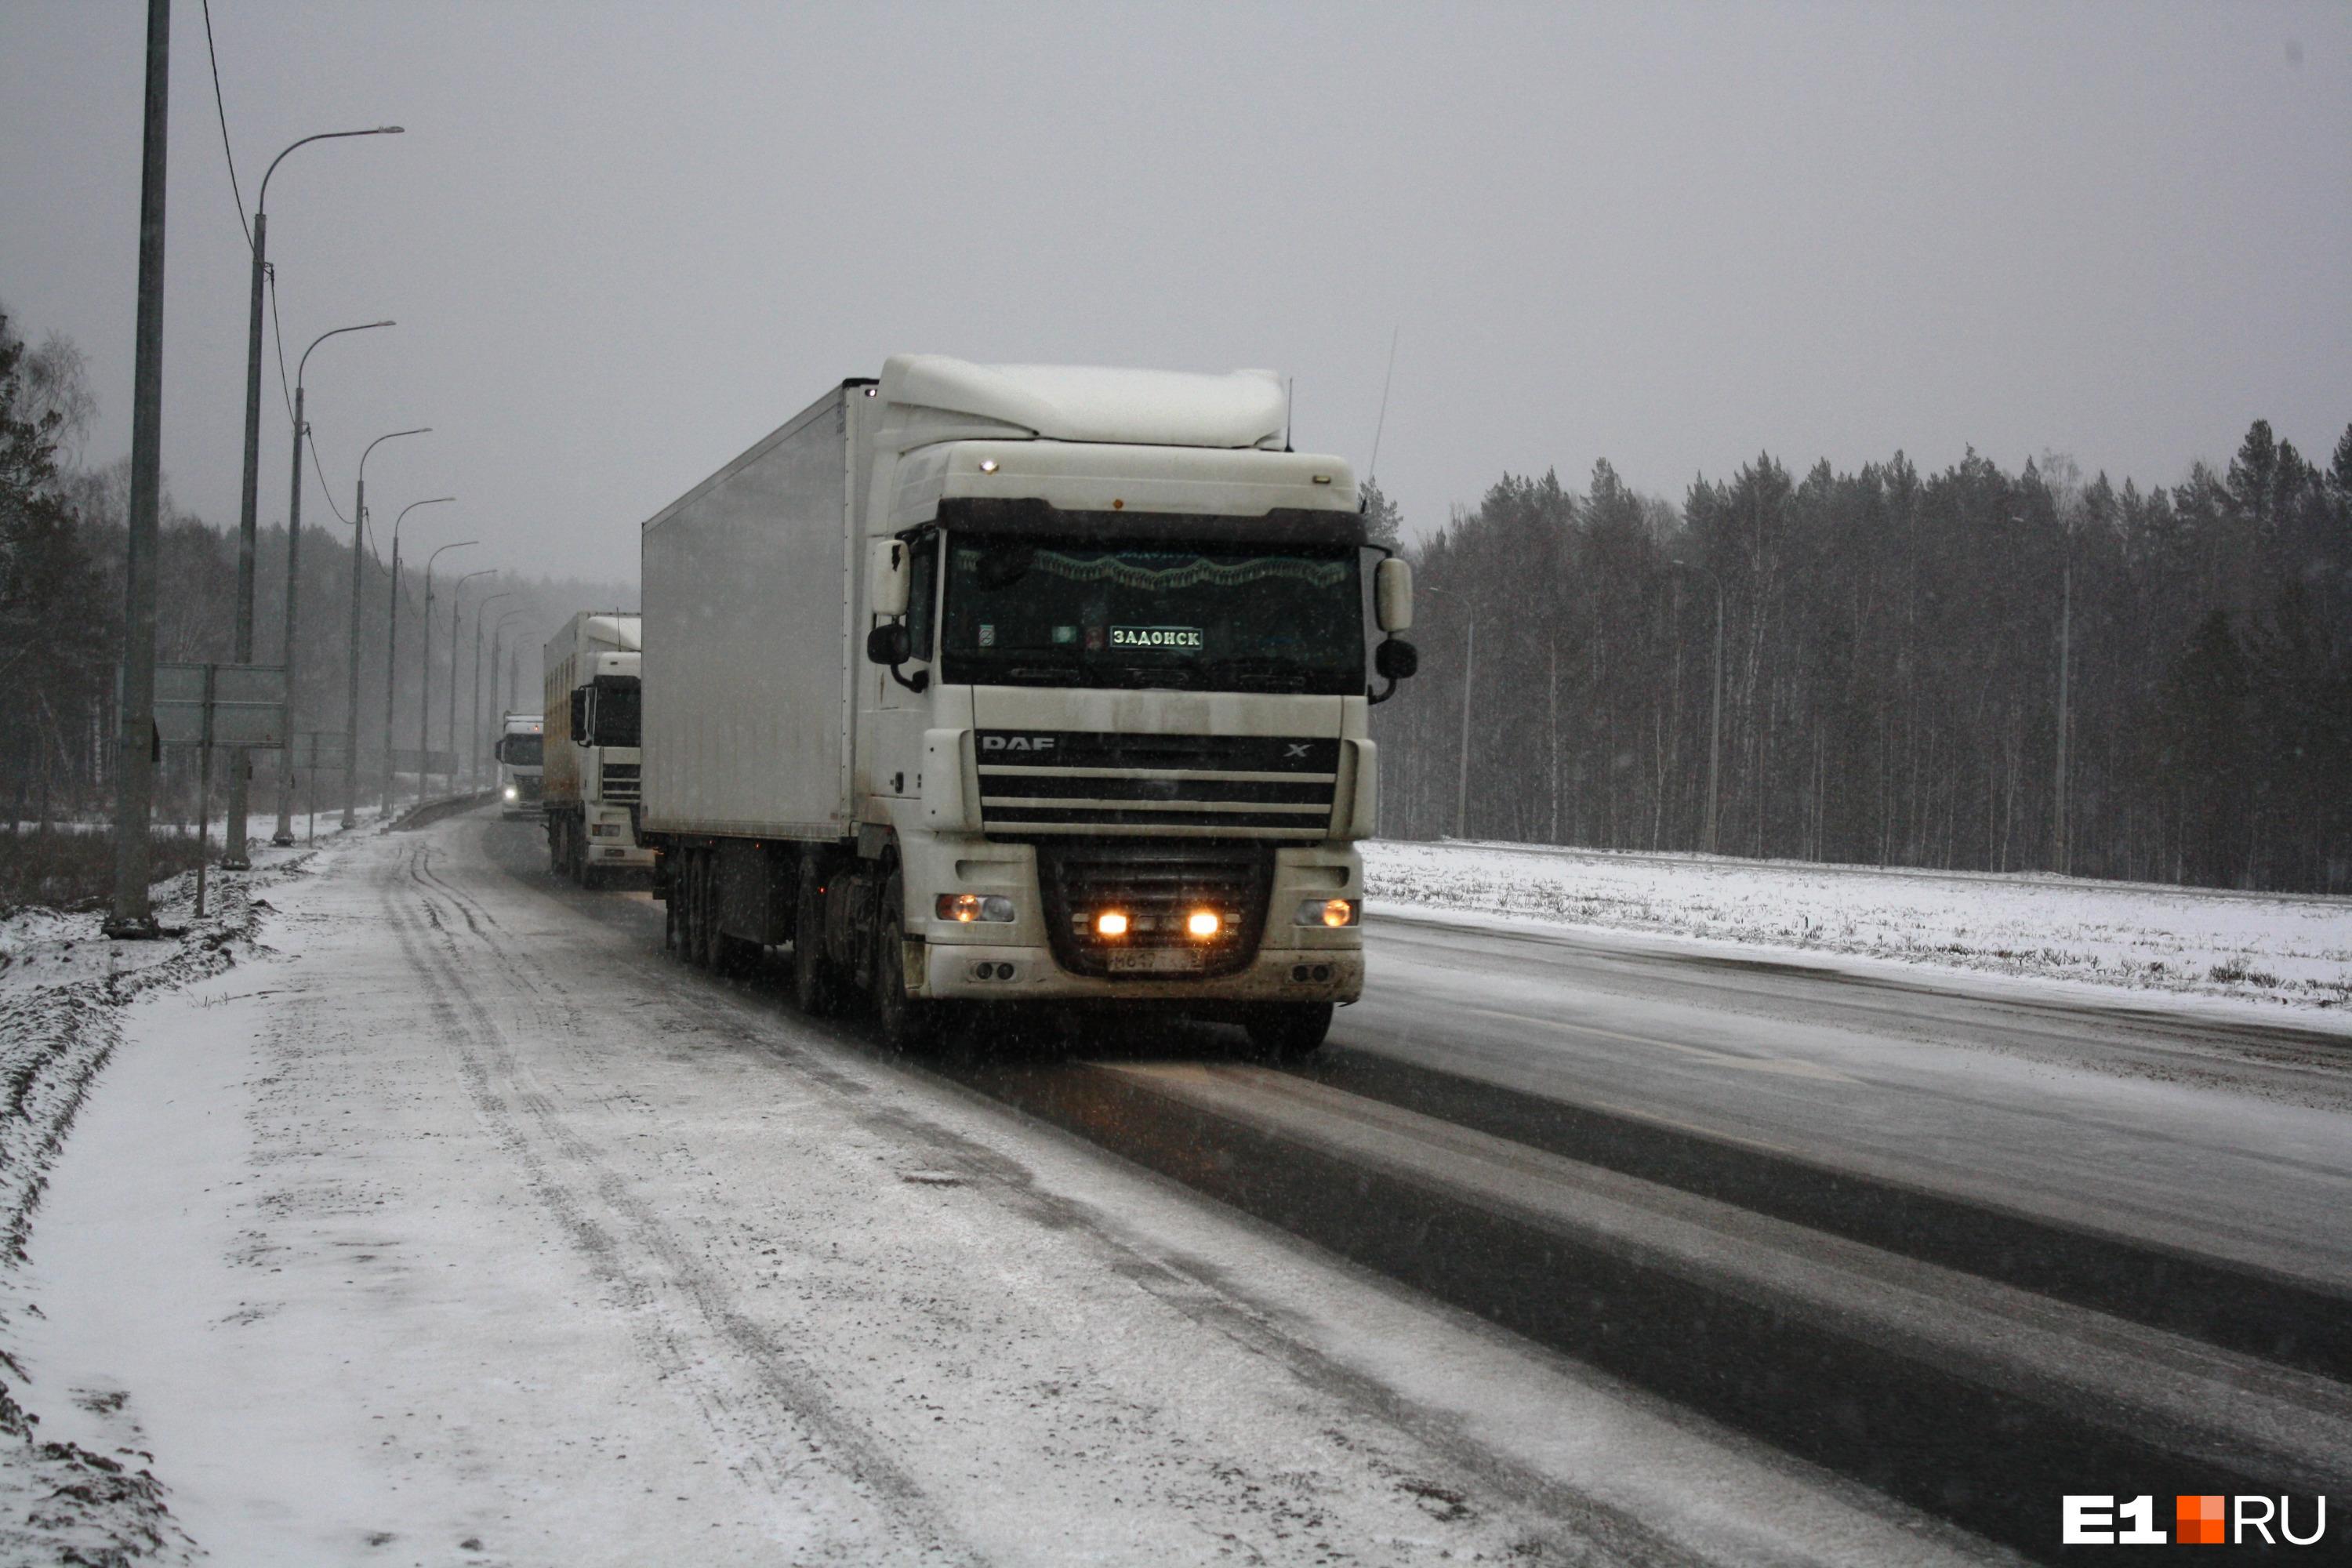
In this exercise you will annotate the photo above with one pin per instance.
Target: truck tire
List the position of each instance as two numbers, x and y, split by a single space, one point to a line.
816 985
1288 1031
905 1023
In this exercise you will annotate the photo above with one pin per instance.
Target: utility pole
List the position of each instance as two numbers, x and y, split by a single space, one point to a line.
424 665
457 609
285 834
481 613
233 857
134 728
351 698
392 641
2062 849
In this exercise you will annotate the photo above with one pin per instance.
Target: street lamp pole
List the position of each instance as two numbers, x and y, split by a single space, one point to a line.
424 665
1715 716
351 695
392 642
285 834
481 611
456 616
233 856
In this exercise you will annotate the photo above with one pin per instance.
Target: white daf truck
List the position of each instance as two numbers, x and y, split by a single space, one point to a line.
520 749
591 785
1023 683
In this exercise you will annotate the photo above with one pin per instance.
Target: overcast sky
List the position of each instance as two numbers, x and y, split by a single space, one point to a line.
624 242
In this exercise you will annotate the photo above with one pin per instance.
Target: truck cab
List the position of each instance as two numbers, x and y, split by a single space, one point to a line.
520 750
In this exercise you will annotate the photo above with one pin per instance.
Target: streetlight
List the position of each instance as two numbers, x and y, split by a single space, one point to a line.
1469 673
351 695
1714 713
496 633
233 855
285 834
424 664
481 611
457 613
392 643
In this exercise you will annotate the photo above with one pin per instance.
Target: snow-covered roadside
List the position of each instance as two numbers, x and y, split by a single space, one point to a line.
2295 950
63 988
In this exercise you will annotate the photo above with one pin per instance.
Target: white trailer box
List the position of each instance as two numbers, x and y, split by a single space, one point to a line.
752 584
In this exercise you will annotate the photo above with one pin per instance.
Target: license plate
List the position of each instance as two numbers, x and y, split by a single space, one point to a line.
1155 960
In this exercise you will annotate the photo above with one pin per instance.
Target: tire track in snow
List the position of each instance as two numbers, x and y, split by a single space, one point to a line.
662 1287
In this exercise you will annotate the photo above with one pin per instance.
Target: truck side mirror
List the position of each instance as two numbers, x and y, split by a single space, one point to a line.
887 578
1392 596
580 736
1395 659
889 644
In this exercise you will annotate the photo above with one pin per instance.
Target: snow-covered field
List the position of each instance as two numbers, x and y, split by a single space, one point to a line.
2292 950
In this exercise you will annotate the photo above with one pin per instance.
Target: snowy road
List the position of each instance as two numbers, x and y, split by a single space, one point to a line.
2218 1138
467 1227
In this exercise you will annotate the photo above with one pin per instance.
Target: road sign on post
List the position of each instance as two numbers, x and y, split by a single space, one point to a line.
209 705
247 703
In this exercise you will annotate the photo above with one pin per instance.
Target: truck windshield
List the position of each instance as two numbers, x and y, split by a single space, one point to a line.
521 751
620 710
1218 617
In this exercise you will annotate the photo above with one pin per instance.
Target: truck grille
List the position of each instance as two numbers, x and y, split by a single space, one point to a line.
526 787
1176 786
622 784
1156 888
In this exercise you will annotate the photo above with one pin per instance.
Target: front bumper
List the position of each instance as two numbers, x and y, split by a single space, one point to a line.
983 972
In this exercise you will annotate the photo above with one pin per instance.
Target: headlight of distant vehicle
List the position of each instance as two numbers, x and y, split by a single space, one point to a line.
1329 911
513 794
966 908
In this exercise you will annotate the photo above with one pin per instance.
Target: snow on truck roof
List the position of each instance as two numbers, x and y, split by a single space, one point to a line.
1091 403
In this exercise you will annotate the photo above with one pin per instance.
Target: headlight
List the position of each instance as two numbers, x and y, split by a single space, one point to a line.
512 793
966 908
1203 923
1329 913
1110 922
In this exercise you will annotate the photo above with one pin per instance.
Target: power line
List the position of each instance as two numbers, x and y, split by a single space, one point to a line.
319 466
277 334
221 110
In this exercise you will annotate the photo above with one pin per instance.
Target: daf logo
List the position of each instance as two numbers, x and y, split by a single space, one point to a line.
1016 742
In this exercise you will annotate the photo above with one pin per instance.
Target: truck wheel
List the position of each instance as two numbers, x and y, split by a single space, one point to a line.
1288 1031
816 986
905 1023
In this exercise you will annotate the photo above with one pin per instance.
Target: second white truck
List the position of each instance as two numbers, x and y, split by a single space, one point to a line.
591 791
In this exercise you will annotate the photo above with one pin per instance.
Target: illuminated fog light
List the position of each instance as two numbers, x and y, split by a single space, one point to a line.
1110 922
966 908
1202 922
512 792
1328 912
988 465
